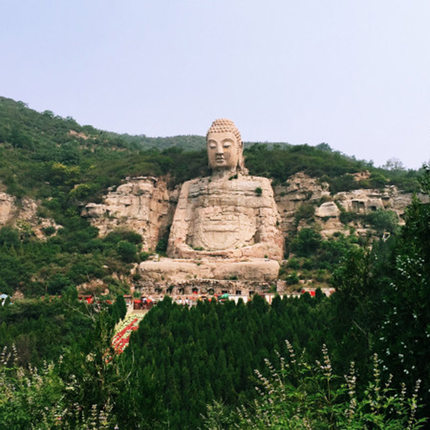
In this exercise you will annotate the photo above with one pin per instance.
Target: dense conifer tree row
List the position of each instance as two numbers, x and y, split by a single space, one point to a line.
183 359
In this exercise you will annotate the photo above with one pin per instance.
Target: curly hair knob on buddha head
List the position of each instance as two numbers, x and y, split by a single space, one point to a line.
224 125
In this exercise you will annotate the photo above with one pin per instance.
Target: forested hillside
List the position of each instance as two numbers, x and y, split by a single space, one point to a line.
41 152
192 367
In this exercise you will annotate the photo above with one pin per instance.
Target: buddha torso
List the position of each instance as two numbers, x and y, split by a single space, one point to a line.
217 229
225 214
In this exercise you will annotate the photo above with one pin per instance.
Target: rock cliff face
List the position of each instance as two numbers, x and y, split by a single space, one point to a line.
7 208
225 228
141 204
298 190
305 199
146 205
23 214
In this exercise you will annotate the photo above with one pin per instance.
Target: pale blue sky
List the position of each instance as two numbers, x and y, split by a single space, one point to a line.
352 73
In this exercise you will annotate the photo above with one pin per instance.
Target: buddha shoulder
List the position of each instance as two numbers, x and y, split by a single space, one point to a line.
246 184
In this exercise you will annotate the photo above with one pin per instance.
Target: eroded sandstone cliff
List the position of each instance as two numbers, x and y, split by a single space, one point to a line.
23 214
304 200
146 205
142 204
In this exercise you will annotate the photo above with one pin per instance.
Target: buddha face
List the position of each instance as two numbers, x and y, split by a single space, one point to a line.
223 150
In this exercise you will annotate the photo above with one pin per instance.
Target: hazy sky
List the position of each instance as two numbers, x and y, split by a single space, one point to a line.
352 73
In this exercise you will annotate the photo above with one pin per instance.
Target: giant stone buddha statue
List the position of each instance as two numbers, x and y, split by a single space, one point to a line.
225 225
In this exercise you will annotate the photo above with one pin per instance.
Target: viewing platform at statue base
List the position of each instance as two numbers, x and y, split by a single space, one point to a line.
201 286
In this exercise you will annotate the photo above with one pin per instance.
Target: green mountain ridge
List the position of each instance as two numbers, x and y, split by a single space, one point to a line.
32 142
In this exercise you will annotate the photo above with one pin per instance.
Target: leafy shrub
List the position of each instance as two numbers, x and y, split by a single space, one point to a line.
292 279
49 231
304 211
58 283
29 397
322 275
9 237
127 251
293 263
306 242
382 220
144 255
343 183
127 235
299 394
346 217
377 180
308 263
163 242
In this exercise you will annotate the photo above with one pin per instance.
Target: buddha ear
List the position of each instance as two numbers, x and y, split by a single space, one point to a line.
241 160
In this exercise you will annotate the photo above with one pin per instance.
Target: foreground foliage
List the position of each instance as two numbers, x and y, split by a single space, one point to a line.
37 398
75 390
298 395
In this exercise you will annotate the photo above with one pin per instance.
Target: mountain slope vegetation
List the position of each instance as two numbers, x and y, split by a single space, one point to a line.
191 368
41 152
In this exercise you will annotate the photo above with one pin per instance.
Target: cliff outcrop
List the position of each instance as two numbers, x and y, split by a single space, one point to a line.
304 200
142 204
23 214
146 205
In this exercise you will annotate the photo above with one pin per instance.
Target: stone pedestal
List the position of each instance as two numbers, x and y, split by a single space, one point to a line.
174 270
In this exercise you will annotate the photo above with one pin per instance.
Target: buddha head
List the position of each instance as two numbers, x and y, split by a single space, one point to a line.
225 147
